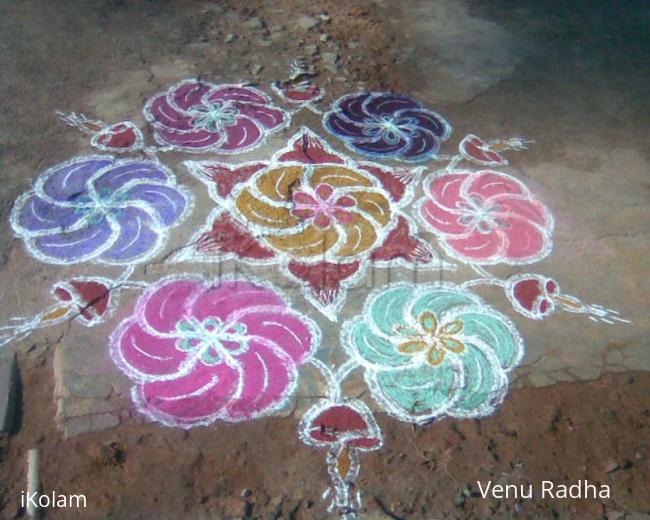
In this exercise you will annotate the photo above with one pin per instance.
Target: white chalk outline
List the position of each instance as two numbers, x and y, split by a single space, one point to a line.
349 141
371 370
226 206
188 366
78 302
469 157
595 312
137 145
344 500
216 147
157 226
499 258
23 327
308 104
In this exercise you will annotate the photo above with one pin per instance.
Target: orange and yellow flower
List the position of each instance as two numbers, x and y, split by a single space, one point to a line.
310 211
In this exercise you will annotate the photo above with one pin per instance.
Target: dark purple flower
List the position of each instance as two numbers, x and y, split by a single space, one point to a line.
198 116
99 208
389 126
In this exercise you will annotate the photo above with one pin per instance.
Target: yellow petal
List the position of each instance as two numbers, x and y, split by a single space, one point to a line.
569 301
280 183
435 356
452 344
412 347
57 313
313 241
257 211
375 205
344 462
338 177
429 321
360 236
453 327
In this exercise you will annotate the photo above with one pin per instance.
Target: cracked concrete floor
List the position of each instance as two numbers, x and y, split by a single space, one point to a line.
572 76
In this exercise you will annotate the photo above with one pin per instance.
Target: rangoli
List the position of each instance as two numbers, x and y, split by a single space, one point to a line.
202 350
198 116
486 217
387 126
102 209
432 350
322 217
205 350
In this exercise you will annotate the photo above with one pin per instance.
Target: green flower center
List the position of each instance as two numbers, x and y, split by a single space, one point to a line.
212 340
214 117
431 338
480 215
104 203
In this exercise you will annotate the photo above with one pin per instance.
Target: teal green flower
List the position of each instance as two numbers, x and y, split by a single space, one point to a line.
432 350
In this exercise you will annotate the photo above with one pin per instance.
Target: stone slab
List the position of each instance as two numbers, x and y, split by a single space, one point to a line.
9 391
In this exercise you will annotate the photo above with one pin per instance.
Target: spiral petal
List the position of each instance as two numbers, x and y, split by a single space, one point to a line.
129 172
196 398
137 236
37 215
76 245
143 355
65 183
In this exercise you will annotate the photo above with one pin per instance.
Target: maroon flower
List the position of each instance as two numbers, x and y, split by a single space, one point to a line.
346 424
532 295
297 92
197 116
89 297
120 137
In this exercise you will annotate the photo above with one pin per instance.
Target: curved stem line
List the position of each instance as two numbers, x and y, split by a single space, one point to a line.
312 108
333 390
134 285
29 325
482 272
126 274
345 370
482 281
453 162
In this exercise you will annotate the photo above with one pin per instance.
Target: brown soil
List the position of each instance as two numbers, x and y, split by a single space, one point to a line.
565 433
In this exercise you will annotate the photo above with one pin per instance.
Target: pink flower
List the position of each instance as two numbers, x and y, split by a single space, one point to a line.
201 351
487 217
198 116
323 206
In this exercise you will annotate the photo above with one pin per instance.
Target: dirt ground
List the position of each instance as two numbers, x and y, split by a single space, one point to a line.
575 76
567 432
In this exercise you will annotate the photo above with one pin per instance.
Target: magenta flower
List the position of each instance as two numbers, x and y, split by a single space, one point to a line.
486 217
323 206
201 350
198 116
